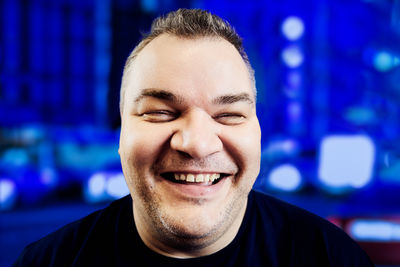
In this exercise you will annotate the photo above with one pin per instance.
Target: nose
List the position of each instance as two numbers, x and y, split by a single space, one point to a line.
197 135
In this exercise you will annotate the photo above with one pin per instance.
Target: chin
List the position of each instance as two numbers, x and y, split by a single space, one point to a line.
196 229
191 237
195 225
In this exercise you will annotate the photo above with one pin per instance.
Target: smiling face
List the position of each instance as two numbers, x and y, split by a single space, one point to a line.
190 143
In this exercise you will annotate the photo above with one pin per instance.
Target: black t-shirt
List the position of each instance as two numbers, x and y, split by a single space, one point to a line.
273 233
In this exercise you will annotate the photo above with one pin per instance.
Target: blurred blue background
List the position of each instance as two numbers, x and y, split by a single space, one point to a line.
328 79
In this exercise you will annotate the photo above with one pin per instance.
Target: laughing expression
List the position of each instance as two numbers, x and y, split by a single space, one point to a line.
189 144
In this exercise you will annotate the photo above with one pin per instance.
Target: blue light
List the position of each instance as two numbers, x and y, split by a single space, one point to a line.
293 84
116 186
281 148
8 194
294 79
385 61
105 186
285 177
17 157
346 161
396 61
361 115
292 56
149 5
97 185
375 230
390 173
382 60
48 177
294 111
292 28
286 146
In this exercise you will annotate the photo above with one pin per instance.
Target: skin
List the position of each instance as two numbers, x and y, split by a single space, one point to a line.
189 108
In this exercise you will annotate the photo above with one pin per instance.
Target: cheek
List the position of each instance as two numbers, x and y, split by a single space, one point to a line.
244 144
250 141
140 144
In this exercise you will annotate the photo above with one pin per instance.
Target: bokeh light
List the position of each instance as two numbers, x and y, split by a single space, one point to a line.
292 28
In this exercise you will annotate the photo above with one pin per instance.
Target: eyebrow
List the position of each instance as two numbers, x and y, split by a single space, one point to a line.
158 93
168 96
233 98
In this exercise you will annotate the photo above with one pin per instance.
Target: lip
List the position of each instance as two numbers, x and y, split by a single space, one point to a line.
195 190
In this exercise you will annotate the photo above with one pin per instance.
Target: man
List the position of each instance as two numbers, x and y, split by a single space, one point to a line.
190 153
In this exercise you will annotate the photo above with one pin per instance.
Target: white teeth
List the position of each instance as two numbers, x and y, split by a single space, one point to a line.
214 176
198 178
190 178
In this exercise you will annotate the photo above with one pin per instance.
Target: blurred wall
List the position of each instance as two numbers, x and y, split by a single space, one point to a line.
328 81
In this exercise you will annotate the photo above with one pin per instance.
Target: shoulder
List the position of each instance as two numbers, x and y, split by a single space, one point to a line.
290 215
62 245
308 234
278 210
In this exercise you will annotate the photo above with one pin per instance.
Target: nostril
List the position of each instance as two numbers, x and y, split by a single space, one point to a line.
184 154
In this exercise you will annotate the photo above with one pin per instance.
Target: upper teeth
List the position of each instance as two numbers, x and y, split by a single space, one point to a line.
199 178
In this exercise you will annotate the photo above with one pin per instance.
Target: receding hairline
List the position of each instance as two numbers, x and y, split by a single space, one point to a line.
190 24
139 48
129 63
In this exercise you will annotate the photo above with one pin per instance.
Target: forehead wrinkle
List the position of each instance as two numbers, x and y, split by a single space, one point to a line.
159 94
233 98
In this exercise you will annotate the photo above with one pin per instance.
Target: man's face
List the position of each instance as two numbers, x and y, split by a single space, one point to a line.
189 118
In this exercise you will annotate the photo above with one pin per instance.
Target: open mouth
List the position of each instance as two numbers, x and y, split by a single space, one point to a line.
191 178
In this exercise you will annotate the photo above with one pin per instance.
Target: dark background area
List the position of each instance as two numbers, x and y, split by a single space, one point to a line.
328 81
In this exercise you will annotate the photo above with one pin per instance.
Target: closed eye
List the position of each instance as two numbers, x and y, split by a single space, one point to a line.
159 116
230 118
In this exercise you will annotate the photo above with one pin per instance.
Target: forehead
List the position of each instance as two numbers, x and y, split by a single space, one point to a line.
199 67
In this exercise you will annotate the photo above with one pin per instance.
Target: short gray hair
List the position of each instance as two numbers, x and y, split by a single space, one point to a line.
190 24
